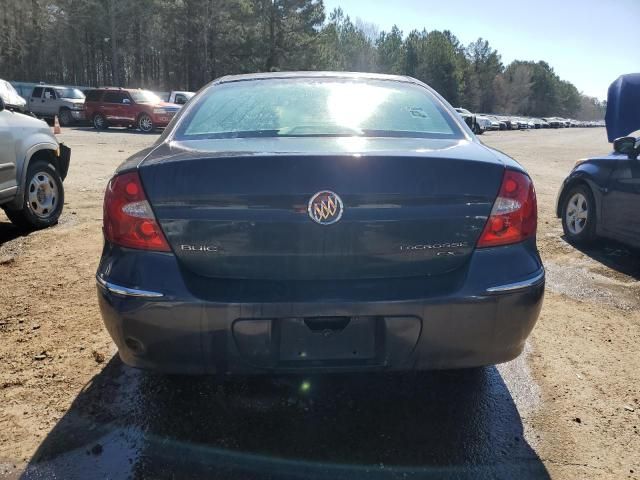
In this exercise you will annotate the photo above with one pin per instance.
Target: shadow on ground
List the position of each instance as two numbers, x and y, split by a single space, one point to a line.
614 255
9 232
129 424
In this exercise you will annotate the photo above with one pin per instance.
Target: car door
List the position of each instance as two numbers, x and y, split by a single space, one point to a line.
111 106
7 156
50 102
621 203
36 102
128 108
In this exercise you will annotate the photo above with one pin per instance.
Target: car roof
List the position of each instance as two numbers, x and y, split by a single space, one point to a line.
118 89
323 74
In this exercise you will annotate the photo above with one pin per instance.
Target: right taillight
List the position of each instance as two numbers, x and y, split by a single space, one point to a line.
514 216
128 220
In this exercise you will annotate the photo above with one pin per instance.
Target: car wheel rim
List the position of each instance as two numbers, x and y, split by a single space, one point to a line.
64 117
98 122
577 213
43 195
145 124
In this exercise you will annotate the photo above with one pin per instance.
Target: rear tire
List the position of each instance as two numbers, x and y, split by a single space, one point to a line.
579 215
145 123
43 198
99 122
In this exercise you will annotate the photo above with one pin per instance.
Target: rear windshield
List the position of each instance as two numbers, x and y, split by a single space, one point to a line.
72 93
317 107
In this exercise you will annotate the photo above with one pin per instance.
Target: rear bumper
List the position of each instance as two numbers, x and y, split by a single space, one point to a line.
159 324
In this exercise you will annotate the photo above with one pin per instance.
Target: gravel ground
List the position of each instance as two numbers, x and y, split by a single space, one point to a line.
568 408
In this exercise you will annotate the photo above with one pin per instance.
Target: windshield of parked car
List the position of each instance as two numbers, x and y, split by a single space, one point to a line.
72 93
318 107
144 96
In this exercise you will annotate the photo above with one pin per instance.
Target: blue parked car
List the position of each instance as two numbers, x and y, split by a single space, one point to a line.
601 196
306 222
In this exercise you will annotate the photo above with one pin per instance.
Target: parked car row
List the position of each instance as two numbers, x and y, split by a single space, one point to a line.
388 265
101 107
482 122
481 251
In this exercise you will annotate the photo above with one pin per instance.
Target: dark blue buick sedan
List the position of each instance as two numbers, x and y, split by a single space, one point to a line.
326 222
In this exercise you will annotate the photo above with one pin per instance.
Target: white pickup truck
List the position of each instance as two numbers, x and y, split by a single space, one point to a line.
67 103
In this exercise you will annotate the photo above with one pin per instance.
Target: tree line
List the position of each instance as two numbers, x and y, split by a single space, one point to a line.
183 44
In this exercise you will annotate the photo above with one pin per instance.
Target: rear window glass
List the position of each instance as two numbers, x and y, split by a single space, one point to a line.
72 93
37 92
318 107
93 95
114 97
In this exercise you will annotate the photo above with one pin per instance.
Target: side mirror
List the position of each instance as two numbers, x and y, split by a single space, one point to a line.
1 104
126 101
627 146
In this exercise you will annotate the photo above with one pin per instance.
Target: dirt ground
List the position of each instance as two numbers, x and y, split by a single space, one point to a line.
568 408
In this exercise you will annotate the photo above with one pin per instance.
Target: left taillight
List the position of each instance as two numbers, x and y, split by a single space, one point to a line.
128 219
514 216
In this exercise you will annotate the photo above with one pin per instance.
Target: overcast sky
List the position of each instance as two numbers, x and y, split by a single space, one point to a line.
588 42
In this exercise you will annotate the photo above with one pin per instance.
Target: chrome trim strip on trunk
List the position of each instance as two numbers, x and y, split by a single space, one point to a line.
133 292
510 287
125 291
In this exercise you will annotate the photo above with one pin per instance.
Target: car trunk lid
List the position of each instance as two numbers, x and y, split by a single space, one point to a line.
240 209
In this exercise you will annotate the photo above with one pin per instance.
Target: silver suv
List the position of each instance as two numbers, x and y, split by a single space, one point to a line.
67 103
32 167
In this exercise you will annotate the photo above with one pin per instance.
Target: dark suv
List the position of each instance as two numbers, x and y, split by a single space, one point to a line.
134 108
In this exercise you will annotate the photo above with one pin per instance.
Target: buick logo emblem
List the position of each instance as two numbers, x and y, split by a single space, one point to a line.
325 207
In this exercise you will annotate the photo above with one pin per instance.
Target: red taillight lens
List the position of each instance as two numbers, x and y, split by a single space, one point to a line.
128 219
514 216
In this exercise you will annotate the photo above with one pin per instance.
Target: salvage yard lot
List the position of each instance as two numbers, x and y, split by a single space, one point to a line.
567 408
